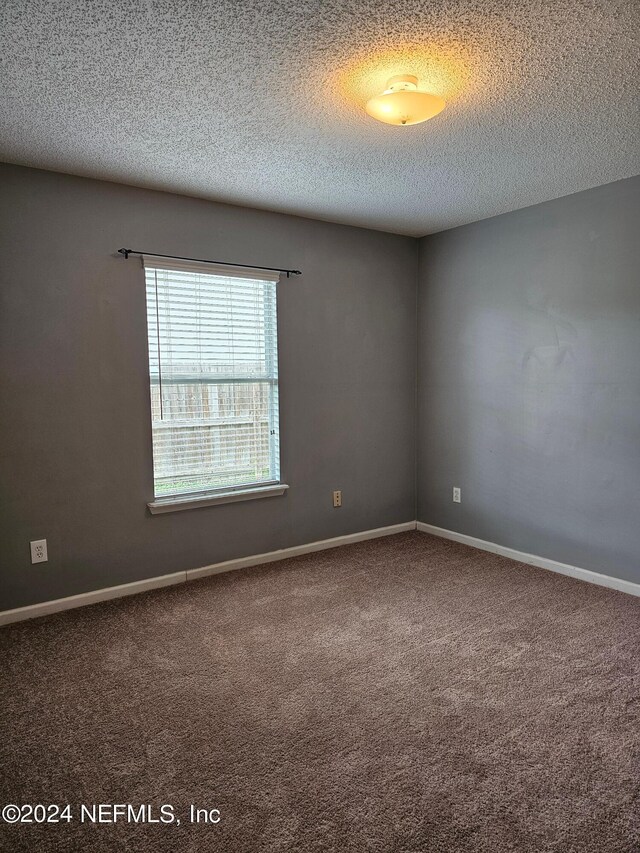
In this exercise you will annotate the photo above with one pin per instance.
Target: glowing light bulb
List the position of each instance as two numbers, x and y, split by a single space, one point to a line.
401 103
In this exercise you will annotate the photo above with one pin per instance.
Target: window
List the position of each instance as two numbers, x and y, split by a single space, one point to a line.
213 365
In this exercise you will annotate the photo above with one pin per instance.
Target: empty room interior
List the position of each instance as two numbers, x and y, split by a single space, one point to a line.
320 433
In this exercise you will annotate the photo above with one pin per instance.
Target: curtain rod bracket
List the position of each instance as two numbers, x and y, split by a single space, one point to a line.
127 252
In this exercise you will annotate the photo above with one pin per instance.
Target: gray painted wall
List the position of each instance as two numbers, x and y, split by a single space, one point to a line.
75 433
529 379
528 369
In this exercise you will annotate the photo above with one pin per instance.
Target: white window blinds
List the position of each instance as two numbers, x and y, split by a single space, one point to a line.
213 364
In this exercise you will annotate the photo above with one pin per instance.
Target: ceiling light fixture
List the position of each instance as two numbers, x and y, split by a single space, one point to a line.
402 103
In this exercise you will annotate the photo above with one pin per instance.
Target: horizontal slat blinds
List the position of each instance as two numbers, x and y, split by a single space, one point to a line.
213 366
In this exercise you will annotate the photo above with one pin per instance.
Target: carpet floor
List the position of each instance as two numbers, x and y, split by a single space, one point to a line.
404 694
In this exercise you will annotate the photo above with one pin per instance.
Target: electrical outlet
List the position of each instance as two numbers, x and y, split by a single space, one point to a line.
337 498
39 551
457 495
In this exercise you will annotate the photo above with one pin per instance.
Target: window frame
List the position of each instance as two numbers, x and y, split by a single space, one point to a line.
238 491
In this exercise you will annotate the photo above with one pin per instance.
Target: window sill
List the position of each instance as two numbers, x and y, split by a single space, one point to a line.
175 504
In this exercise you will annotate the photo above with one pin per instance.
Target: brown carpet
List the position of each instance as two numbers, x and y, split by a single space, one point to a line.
404 694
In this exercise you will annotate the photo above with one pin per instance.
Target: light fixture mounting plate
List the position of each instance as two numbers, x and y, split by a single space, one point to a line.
402 83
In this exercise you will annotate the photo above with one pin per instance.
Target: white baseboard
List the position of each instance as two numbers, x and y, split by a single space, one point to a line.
47 607
297 550
533 559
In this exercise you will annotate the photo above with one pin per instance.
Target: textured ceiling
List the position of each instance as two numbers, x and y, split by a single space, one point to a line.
261 103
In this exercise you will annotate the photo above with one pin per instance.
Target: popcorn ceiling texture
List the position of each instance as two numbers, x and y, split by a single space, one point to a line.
261 104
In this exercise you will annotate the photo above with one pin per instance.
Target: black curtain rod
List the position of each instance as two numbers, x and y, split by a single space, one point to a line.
127 252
